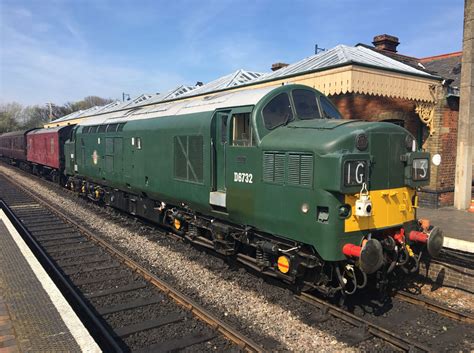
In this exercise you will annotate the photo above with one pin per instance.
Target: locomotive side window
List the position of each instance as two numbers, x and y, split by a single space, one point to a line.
277 112
329 111
306 104
242 130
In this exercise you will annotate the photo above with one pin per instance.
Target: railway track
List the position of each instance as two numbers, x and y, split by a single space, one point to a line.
436 307
126 307
407 337
365 328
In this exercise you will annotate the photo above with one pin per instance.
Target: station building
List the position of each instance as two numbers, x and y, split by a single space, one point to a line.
369 82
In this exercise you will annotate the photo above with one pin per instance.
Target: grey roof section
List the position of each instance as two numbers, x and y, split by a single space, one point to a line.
70 116
340 55
237 78
337 56
171 94
132 103
448 67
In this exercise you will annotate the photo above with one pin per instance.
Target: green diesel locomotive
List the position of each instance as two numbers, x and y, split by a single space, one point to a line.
271 177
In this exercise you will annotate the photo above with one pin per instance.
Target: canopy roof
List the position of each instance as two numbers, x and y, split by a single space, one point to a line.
339 70
181 107
343 55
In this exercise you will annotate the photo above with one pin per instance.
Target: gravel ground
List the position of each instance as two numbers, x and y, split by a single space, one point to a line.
454 298
268 314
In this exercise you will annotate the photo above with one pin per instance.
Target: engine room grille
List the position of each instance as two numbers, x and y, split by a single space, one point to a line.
299 166
300 169
274 167
188 158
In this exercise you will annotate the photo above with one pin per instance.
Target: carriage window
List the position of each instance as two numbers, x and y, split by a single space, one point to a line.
51 142
242 130
305 104
277 112
329 110
139 143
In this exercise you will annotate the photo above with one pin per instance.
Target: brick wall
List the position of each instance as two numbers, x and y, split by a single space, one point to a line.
447 275
443 142
377 108
447 149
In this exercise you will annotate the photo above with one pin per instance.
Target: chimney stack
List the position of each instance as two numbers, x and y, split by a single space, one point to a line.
386 42
278 66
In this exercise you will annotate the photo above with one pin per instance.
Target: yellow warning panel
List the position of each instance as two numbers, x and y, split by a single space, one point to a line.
283 264
390 207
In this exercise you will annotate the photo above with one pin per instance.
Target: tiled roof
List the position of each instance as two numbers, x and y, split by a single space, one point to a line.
448 67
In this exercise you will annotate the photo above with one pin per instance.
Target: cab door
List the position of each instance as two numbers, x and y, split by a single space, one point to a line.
219 142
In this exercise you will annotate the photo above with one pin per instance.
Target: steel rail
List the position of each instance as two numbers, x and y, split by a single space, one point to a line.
97 329
435 307
400 342
196 309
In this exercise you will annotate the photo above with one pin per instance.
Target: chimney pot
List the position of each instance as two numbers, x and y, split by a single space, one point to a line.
386 42
278 66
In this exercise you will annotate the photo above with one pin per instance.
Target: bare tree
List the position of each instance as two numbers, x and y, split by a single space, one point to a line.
10 116
13 116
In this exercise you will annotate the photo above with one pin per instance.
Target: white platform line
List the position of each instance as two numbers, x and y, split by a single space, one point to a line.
73 323
458 244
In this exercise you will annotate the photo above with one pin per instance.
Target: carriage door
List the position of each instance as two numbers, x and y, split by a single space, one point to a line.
220 136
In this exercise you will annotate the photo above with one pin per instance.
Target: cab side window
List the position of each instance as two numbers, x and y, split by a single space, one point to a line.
242 130
329 111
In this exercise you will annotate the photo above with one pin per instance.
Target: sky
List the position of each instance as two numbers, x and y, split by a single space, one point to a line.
64 50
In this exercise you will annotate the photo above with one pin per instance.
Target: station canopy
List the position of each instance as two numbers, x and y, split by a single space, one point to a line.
342 69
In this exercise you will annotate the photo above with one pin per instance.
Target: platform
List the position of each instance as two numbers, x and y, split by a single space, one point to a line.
457 226
34 315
